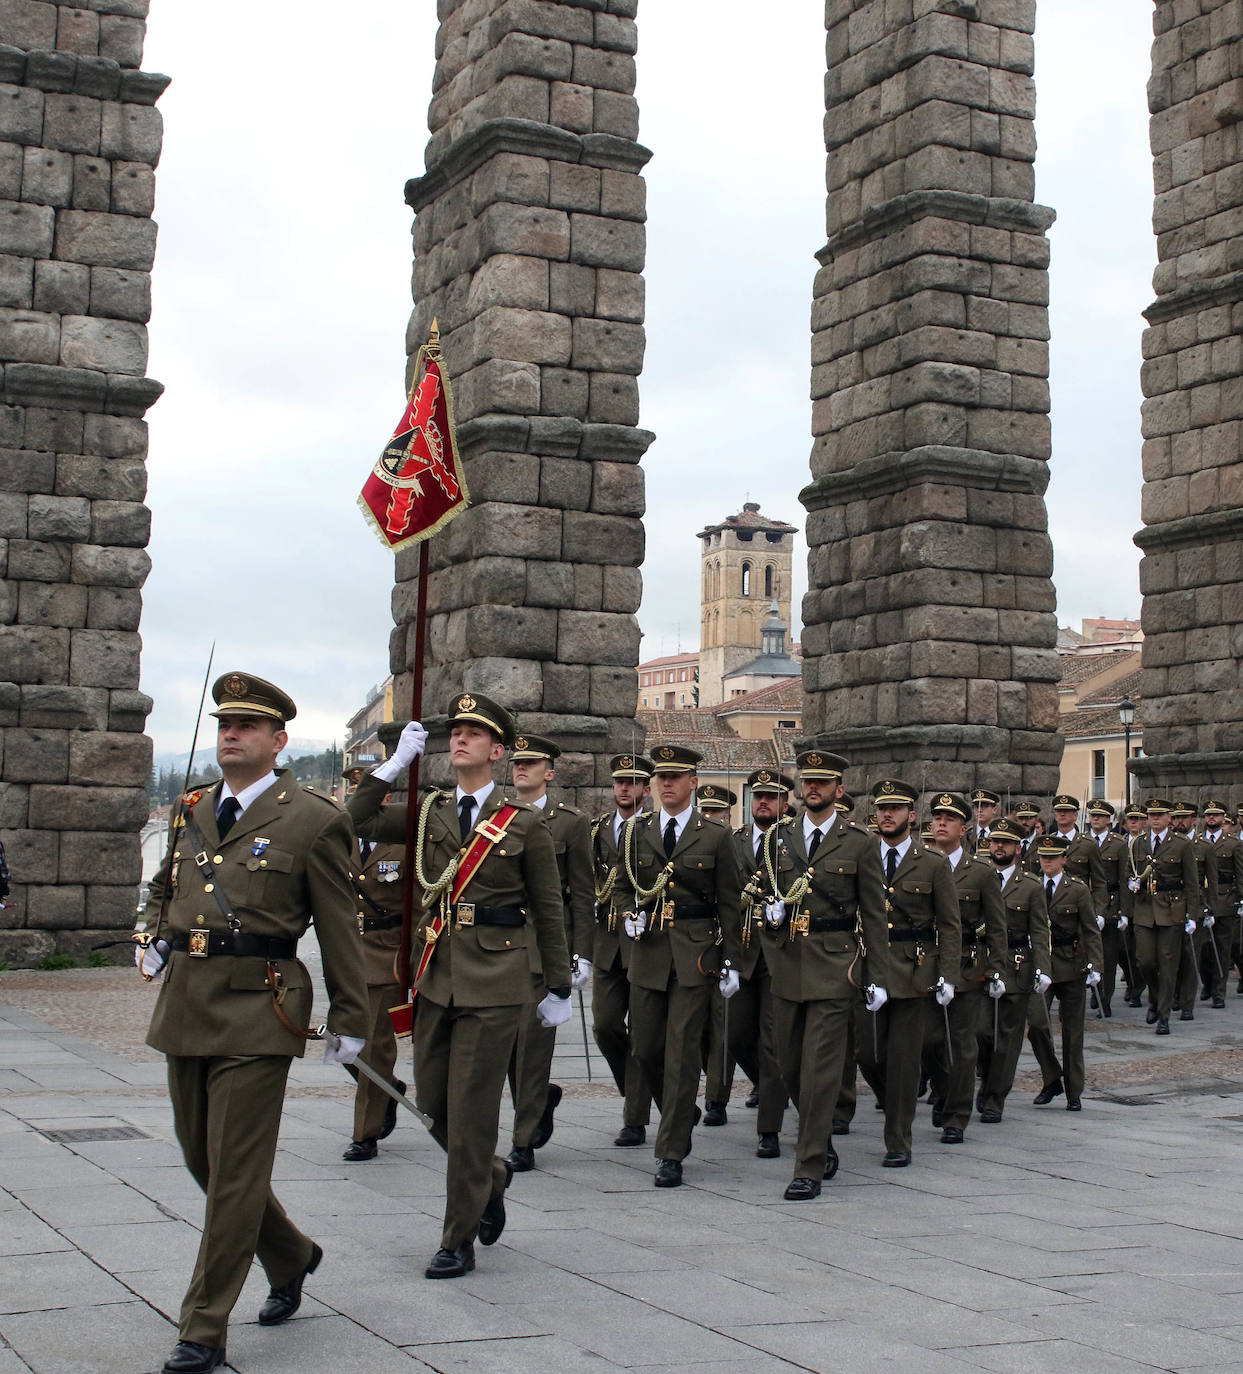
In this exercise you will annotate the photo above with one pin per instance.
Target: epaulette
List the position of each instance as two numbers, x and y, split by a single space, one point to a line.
442 798
323 796
565 806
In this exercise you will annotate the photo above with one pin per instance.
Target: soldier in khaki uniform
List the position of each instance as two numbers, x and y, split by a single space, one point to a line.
1228 865
983 956
1027 818
253 859
1194 953
1135 821
492 919
1023 968
1076 943
610 990
535 1097
680 868
1083 858
716 804
1112 851
984 805
925 950
378 888
1165 893
817 904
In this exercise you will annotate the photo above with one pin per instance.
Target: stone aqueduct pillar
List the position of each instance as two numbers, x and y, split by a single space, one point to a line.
79 140
529 248
929 624
1191 574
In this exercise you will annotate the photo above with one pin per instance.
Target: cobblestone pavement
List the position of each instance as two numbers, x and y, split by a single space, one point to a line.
1103 1241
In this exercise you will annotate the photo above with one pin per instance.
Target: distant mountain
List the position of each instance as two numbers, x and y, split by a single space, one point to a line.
206 753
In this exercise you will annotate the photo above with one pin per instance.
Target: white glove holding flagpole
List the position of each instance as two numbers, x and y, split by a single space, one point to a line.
410 745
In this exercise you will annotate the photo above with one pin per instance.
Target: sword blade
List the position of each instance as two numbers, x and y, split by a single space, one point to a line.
582 1016
995 1001
949 1047
358 1067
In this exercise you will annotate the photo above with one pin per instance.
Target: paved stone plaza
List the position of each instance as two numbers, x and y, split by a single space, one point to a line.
1104 1241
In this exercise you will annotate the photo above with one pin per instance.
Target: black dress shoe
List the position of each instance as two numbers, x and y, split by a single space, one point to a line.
189 1357
990 1116
938 1110
1205 994
542 1133
951 1135
896 1159
1074 1105
1151 1016
451 1264
769 1147
1186 1014
284 1301
1106 1009
390 1112
715 1114
668 1174
1134 999
521 1159
831 1162
1048 1093
492 1222
1163 1026
802 1189
841 1127
1219 1003
753 1099
631 1135
358 1150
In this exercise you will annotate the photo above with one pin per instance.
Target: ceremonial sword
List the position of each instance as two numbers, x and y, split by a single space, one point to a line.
358 1066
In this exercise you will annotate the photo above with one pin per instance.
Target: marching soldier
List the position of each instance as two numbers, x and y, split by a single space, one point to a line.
1027 956
1192 956
1027 817
1077 957
983 955
1165 888
1228 863
984 803
610 992
752 1026
716 803
1135 823
818 902
252 860
681 870
1113 852
492 913
1083 858
925 949
535 1098
378 888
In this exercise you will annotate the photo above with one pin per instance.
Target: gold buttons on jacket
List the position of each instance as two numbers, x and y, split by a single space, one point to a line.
217 858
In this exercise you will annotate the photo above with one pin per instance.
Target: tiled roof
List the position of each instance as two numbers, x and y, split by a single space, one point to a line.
777 696
1109 696
710 736
1095 720
748 517
670 661
1080 668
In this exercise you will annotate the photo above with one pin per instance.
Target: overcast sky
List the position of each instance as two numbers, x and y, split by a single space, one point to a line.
281 296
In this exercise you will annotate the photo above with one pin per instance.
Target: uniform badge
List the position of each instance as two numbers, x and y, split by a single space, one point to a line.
520 742
466 703
764 777
388 872
945 800
235 685
260 846
625 761
665 753
814 760
198 944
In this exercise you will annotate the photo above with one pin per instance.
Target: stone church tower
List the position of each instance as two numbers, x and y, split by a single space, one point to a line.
745 566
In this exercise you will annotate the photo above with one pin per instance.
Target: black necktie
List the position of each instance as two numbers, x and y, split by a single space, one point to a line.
671 836
816 836
229 811
1048 890
891 864
464 808
1156 844
364 848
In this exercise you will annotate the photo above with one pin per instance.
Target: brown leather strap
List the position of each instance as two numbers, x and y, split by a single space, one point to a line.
277 984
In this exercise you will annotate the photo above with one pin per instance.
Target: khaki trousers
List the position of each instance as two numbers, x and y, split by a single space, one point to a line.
530 1070
1072 1000
610 1008
227 1115
1158 950
667 1032
999 1065
460 1058
813 1037
955 1085
380 1054
893 1067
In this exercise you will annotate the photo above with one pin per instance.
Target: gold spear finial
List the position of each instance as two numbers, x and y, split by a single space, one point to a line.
433 334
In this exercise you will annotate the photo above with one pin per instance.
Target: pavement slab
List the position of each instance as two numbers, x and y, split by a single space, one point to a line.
1051 1242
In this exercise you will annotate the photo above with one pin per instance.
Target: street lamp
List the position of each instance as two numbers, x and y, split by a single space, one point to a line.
1126 714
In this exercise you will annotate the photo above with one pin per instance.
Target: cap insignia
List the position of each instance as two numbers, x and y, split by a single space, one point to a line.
466 703
764 777
520 742
815 760
625 761
235 685
945 799
664 753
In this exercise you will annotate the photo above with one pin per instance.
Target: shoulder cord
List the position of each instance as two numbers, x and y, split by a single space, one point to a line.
800 886
437 887
642 895
604 890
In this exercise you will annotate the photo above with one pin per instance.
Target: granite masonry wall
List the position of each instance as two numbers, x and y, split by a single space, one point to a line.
79 140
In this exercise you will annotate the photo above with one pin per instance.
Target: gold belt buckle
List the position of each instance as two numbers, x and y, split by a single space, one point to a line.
465 914
801 924
198 944
360 923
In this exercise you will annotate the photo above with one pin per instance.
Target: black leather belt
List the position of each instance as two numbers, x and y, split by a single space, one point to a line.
911 933
825 925
1112 888
1065 944
473 914
366 924
692 911
1019 942
200 943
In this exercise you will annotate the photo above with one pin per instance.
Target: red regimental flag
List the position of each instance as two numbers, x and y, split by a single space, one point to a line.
417 486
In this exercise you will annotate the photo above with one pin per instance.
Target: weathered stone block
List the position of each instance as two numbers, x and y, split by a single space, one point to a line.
56 908
131 133
97 857
104 658
63 708
121 296
126 523
40 756
109 759
59 517
120 479
111 907
598 241
29 337
597 638
51 603
108 345
103 240
98 564
128 710
92 183
61 288
39 653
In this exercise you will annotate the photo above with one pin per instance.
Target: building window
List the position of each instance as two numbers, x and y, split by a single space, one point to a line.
787 725
1098 773
746 579
768 580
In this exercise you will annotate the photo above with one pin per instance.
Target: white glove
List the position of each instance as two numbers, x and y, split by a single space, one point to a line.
554 1011
1093 979
874 997
581 972
945 992
342 1049
1133 884
1209 920
730 982
151 960
996 988
1238 911
635 924
410 745
775 913
1043 983
1100 921
1122 923
1190 927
